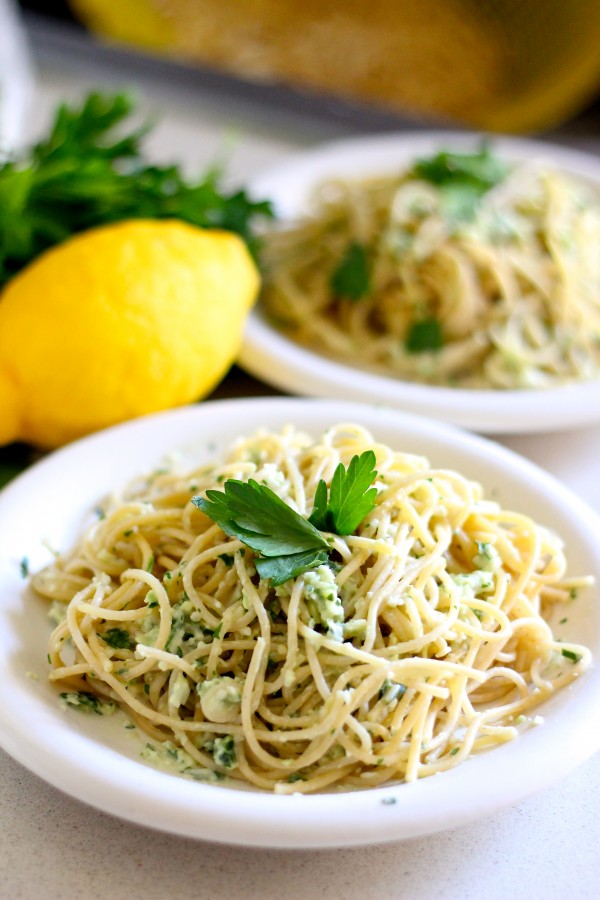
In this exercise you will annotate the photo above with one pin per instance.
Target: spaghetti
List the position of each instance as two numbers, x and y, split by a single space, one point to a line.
423 639
502 294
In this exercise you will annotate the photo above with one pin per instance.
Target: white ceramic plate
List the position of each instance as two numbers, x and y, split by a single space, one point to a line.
274 358
96 760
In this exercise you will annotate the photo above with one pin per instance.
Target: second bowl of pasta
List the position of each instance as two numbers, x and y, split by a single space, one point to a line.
440 274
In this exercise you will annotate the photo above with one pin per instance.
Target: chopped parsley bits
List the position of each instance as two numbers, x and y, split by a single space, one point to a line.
569 654
351 279
223 752
390 691
86 702
118 638
424 336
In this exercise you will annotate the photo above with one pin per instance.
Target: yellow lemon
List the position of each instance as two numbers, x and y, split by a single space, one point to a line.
117 322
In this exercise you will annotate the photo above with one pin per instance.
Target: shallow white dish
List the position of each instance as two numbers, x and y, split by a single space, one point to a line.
96 760
268 354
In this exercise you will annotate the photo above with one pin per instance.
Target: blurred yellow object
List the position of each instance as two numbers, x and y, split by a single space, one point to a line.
117 322
495 64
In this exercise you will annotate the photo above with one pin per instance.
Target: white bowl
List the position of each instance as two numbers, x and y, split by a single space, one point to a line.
96 760
274 358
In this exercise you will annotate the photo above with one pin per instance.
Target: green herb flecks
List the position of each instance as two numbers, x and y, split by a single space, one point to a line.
351 279
424 336
118 638
571 655
287 544
87 702
90 171
391 690
223 751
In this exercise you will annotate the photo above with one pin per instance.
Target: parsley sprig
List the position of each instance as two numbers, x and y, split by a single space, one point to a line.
287 544
350 496
463 178
89 171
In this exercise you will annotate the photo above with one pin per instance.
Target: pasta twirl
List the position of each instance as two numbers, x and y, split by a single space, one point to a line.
424 638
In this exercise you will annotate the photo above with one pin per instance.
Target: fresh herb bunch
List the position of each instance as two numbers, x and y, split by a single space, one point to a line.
90 171
287 543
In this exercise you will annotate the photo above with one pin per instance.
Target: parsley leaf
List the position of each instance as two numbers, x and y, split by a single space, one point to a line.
481 170
351 279
424 335
254 514
350 496
282 568
287 544
90 171
463 178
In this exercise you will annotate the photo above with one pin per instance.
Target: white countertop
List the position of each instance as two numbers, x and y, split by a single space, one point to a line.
53 846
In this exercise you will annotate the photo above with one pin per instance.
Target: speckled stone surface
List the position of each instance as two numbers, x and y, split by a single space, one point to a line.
52 846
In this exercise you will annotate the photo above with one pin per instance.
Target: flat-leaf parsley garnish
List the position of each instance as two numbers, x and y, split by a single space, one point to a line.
287 543
481 170
463 178
351 496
